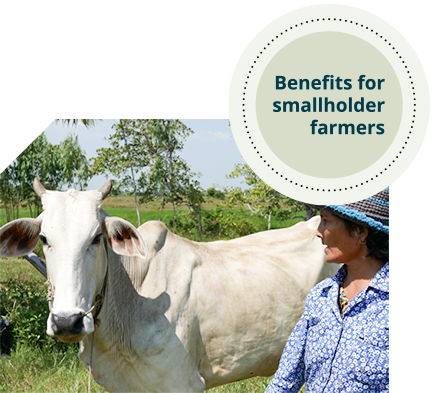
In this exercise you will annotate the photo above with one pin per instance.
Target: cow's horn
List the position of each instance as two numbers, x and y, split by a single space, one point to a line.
38 187
106 188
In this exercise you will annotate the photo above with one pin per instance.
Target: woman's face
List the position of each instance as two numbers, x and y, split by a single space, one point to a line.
341 246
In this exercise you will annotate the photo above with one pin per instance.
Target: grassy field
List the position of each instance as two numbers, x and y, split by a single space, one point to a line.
123 206
51 368
33 370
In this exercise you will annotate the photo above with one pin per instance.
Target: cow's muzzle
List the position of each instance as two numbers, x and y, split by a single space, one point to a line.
71 325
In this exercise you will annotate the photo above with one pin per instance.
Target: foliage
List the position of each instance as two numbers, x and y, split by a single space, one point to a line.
9 193
226 224
261 199
54 165
169 176
125 158
163 140
218 223
73 122
150 148
182 189
73 164
212 192
65 164
25 305
37 160
185 224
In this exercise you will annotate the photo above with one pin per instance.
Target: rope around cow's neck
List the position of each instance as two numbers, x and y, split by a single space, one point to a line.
90 362
99 301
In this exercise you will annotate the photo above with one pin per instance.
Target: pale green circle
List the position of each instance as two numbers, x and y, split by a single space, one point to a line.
289 135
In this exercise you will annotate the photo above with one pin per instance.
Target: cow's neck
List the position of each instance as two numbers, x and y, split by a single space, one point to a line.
125 309
122 300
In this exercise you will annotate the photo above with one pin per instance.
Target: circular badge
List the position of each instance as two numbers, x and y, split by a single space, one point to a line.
329 104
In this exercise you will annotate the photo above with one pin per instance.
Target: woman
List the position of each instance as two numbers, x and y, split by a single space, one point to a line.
340 344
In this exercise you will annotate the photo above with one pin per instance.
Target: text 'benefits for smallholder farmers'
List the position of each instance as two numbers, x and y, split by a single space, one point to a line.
324 104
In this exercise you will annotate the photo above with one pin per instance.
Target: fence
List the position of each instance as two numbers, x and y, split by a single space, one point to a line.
15 136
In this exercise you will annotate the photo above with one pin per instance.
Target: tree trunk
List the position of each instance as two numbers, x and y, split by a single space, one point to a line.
6 210
174 217
133 177
197 215
162 204
199 226
135 198
269 220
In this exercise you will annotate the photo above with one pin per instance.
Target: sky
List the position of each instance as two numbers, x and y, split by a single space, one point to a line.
211 150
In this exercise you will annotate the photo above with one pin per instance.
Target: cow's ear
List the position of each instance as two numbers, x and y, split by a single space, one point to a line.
122 237
19 237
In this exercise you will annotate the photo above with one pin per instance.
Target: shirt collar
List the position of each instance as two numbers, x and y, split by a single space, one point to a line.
339 276
380 280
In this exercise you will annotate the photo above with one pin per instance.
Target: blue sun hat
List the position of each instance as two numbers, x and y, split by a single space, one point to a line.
372 212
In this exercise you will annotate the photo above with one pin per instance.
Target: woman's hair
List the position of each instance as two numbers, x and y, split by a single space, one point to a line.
377 242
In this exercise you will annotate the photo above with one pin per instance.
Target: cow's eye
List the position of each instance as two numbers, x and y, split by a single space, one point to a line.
43 239
97 239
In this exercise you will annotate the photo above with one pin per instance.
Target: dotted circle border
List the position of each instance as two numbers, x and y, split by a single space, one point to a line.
414 98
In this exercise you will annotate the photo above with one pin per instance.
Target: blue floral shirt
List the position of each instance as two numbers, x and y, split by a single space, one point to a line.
339 354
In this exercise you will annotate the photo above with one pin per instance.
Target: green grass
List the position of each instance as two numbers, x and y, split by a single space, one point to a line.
23 212
34 370
252 385
123 206
31 369
18 268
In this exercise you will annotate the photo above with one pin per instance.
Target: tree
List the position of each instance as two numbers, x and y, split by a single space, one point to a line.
40 160
86 122
149 149
125 157
261 199
169 176
212 192
54 165
9 195
184 189
73 163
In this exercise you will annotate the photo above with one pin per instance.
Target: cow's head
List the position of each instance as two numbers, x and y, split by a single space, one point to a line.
75 232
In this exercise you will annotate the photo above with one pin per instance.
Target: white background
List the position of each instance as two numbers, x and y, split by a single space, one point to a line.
130 59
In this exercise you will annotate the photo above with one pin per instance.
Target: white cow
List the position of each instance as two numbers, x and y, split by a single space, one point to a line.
178 316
